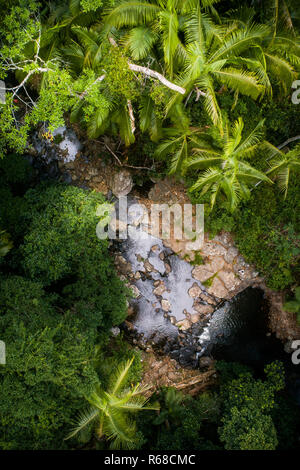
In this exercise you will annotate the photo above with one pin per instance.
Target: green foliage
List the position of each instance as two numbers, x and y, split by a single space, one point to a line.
12 137
293 306
61 247
117 352
90 5
48 366
54 100
180 422
248 430
120 78
19 23
247 403
110 410
5 243
54 336
224 155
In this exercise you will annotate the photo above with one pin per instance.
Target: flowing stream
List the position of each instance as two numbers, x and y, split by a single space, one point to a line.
236 330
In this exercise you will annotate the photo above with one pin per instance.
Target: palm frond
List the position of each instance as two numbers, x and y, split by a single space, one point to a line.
248 145
239 41
281 69
85 418
245 82
139 41
178 158
131 13
120 376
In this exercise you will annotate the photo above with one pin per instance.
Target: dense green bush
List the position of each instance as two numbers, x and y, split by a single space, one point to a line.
281 115
48 367
62 251
55 317
247 405
183 422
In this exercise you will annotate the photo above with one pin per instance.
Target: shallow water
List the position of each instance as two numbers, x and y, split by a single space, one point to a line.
150 318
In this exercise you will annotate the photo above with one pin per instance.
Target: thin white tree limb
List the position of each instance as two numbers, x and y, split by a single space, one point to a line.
131 116
158 76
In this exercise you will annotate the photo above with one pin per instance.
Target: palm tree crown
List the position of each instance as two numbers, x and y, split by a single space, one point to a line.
224 161
110 410
282 165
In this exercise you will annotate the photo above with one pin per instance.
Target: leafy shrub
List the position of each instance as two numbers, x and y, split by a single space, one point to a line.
247 404
48 367
61 250
178 425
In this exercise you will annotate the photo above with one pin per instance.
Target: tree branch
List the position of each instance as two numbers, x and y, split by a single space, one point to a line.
158 76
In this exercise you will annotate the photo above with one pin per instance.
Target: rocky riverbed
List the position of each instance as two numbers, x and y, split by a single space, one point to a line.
178 292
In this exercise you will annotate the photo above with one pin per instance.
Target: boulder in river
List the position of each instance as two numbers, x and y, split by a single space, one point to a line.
122 183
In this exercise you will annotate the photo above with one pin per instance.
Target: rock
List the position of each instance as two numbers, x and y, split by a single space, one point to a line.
172 376
207 299
97 179
216 264
148 266
136 214
211 249
288 347
201 273
195 291
231 254
154 248
218 289
205 361
195 317
115 331
203 309
130 311
160 289
122 183
137 275
172 320
162 255
135 291
183 324
167 268
70 165
92 172
224 238
229 279
116 224
165 305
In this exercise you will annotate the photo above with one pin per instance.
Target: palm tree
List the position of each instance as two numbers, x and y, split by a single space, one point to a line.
201 52
282 165
224 161
178 143
109 411
216 55
152 22
277 54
